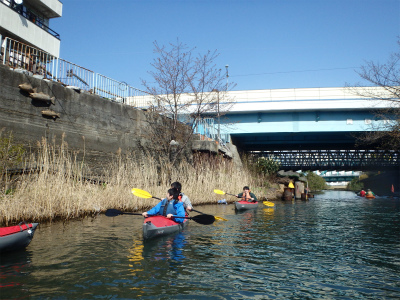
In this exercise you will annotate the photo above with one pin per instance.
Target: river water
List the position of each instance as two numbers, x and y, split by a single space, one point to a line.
334 246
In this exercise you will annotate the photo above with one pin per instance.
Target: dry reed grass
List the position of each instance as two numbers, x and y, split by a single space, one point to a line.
59 190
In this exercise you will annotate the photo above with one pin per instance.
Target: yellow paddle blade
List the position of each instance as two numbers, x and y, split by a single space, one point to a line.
219 192
267 203
291 186
220 218
141 193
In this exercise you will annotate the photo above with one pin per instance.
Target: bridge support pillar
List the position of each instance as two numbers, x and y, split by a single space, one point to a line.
299 189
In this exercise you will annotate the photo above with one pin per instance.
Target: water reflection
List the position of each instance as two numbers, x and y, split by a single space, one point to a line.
166 248
136 255
13 266
269 211
325 248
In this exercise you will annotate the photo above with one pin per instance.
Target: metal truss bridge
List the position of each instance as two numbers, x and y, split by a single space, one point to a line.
311 129
360 160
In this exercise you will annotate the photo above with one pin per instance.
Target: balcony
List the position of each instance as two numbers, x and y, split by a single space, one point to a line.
20 23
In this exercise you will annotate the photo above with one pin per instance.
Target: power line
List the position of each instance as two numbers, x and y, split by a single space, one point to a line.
287 72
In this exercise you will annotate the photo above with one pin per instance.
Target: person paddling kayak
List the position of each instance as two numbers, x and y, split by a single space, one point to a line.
187 205
169 207
370 193
247 195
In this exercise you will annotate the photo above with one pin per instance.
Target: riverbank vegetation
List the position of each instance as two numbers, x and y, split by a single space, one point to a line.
55 185
356 184
315 182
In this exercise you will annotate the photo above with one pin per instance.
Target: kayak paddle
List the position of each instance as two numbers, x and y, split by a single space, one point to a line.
267 203
219 192
216 217
201 219
144 194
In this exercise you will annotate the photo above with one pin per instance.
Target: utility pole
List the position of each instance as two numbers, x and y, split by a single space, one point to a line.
219 123
227 76
219 128
226 90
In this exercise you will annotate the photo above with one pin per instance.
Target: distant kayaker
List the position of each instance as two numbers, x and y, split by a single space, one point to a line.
369 193
362 193
182 197
169 207
247 195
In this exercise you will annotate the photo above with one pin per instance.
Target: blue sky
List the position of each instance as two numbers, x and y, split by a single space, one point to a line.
268 44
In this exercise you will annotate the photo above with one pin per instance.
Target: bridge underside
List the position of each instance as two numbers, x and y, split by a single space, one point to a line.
295 141
317 151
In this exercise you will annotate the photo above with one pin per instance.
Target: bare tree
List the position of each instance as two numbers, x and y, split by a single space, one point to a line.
385 86
186 88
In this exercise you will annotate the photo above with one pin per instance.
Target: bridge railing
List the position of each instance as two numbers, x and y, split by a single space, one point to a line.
207 128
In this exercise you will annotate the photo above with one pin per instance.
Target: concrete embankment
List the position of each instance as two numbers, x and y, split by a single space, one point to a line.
84 121
96 130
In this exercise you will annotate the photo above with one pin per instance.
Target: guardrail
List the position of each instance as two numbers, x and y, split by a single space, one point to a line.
41 64
36 62
206 127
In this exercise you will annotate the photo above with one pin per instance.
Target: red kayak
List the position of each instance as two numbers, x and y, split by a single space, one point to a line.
159 225
17 237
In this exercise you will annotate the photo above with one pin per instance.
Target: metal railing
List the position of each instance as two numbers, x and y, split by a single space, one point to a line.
21 56
70 74
36 62
18 55
207 128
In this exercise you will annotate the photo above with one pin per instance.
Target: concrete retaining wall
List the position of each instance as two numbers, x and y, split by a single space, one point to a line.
86 121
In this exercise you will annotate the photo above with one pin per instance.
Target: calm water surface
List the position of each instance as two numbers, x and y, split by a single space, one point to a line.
335 246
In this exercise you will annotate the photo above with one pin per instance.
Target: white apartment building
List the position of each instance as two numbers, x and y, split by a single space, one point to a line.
28 22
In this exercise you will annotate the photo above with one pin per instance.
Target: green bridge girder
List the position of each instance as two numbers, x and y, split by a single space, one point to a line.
359 160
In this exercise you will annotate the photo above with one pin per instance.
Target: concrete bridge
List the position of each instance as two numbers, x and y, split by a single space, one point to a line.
307 128
318 118
313 128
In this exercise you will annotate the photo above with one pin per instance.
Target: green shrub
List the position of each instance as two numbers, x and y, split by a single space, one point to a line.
267 166
315 182
355 185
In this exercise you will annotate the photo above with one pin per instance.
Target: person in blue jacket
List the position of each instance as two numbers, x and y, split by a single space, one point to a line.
169 207
187 205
